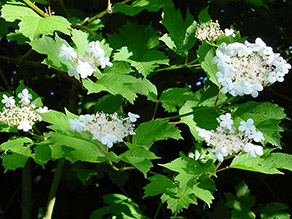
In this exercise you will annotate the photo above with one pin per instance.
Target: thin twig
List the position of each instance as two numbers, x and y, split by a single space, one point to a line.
49 8
101 14
36 8
155 110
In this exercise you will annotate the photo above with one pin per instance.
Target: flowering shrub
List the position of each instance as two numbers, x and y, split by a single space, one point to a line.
103 69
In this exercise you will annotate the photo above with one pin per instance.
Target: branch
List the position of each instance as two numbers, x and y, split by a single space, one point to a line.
36 8
101 14
54 188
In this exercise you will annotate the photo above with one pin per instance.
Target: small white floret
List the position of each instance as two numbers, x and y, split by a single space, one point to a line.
67 52
133 117
8 101
25 96
24 125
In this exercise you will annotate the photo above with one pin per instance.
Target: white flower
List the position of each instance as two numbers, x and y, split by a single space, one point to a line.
220 153
102 124
85 118
24 125
67 52
95 49
203 133
76 124
84 69
229 32
108 140
133 117
8 101
257 136
25 96
244 69
209 31
43 109
226 121
255 90
254 150
221 57
247 127
73 72
104 62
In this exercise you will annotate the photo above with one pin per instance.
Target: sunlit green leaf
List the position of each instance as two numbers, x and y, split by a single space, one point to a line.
155 130
268 164
139 158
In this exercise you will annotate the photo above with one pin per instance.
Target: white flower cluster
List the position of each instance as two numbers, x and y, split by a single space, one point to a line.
228 140
23 115
246 68
106 128
86 64
211 31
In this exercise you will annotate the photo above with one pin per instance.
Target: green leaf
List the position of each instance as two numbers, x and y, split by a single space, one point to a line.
18 37
4 27
47 46
155 130
175 97
275 210
125 85
16 152
137 45
259 111
177 199
207 97
189 170
181 37
119 206
5 128
119 67
139 158
16 144
266 117
13 161
83 174
80 39
12 11
241 203
204 16
42 153
139 5
58 120
77 147
109 104
33 27
31 24
200 117
209 67
268 164
203 194
159 184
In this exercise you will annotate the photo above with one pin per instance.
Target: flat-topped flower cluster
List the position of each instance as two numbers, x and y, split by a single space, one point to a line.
227 140
211 31
21 114
106 128
85 65
245 68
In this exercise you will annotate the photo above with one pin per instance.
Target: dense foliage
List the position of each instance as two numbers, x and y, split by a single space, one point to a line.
145 109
